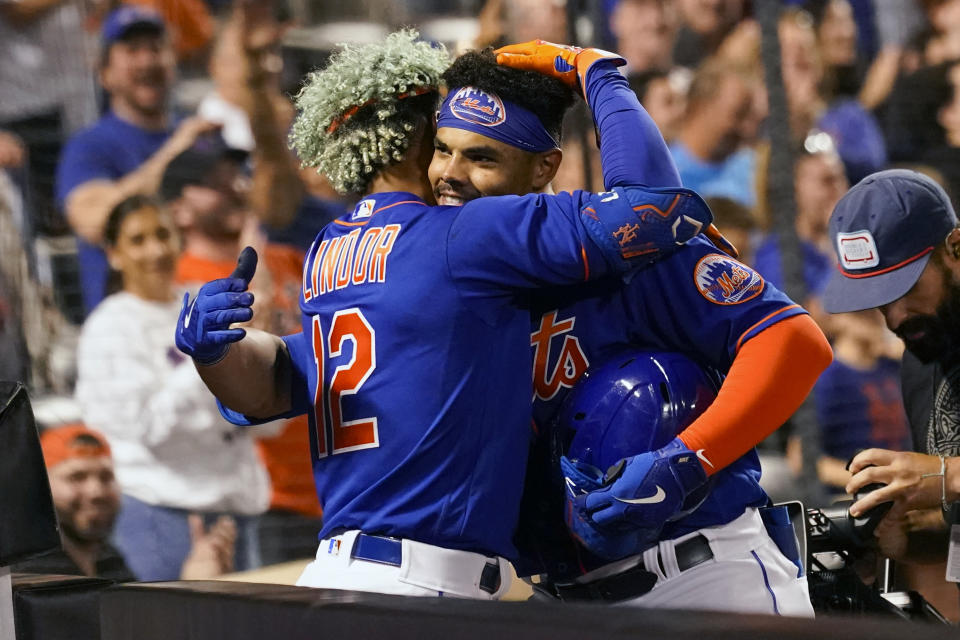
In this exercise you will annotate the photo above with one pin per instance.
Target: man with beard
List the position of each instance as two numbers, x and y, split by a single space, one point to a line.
749 329
898 245
127 149
87 499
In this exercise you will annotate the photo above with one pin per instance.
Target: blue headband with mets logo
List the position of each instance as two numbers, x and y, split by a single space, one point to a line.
490 115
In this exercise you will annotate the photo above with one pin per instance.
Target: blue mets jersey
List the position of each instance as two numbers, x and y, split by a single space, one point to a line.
418 371
700 302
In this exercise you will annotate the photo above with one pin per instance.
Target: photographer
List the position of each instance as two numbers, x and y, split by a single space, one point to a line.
898 249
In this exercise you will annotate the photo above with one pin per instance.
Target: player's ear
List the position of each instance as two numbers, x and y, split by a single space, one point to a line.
545 168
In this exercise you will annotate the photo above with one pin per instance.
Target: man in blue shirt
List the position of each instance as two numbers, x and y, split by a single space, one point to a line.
126 151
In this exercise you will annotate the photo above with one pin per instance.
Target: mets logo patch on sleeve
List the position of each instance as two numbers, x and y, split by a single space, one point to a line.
722 280
478 107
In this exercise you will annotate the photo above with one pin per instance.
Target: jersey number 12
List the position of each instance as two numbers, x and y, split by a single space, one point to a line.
349 435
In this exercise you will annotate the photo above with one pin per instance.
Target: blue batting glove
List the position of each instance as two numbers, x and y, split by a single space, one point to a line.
611 543
639 496
203 330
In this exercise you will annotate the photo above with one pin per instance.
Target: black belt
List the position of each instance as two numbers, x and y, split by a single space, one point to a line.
387 550
637 581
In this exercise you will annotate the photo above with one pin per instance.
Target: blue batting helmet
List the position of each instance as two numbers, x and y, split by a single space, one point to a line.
635 402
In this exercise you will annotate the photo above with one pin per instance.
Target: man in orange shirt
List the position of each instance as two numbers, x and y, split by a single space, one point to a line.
206 188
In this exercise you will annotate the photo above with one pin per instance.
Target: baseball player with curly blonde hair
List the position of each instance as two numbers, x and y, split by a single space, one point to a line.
413 363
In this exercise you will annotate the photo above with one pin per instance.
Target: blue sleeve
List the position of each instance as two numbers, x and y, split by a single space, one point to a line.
632 150
705 303
499 245
83 160
300 354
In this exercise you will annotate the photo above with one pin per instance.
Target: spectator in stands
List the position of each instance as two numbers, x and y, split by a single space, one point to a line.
86 499
856 133
737 223
858 399
819 182
711 149
664 95
645 31
48 91
125 151
836 34
945 157
205 188
703 26
174 453
532 19
246 67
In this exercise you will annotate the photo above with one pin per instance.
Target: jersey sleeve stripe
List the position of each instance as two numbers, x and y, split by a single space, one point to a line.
375 212
586 263
745 334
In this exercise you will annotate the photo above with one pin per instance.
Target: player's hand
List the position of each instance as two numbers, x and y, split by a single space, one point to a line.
580 480
566 63
641 494
911 479
203 330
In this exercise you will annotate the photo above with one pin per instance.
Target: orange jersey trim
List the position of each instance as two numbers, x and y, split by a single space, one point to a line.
744 335
375 212
586 263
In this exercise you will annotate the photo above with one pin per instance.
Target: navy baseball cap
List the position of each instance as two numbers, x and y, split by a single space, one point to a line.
196 165
120 22
884 230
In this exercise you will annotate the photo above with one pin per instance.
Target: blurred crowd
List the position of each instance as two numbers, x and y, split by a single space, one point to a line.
142 144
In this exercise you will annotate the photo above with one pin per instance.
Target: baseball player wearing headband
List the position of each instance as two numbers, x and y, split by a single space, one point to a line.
700 301
412 364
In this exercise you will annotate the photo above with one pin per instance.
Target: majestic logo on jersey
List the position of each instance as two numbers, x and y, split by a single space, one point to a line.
722 280
478 107
364 209
570 364
857 250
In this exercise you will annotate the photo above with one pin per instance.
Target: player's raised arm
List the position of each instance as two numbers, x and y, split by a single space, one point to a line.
632 150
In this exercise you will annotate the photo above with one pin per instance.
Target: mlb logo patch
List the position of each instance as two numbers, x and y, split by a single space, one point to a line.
722 280
365 209
478 107
857 250
333 548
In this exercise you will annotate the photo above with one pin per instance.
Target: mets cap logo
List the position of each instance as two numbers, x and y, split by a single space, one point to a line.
722 280
478 107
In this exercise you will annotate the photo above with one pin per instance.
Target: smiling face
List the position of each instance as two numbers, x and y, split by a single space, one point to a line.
467 165
138 72
86 497
145 253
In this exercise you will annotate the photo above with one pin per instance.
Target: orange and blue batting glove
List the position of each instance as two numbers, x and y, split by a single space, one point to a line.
566 63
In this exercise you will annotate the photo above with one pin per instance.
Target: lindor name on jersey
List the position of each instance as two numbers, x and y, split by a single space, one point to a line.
352 259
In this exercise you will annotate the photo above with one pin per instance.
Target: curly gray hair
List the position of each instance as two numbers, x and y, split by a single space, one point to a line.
351 122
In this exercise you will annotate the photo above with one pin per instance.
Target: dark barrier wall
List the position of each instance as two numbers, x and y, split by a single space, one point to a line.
28 525
234 611
57 607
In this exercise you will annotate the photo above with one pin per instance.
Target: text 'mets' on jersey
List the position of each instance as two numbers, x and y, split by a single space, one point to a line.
419 373
700 302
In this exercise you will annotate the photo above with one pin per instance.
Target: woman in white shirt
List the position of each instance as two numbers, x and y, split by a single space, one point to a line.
174 453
